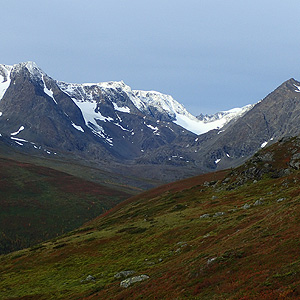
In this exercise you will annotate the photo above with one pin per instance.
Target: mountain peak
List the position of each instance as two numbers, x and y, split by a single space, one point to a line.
31 67
155 104
291 80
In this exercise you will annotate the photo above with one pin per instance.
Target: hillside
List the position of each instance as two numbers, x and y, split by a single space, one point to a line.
39 203
82 169
227 235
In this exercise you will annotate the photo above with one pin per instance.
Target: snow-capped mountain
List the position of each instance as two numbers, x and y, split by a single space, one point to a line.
104 119
151 103
219 119
112 126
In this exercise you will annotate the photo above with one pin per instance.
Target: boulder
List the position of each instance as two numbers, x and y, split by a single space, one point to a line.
258 202
246 206
88 278
124 274
205 216
219 214
129 281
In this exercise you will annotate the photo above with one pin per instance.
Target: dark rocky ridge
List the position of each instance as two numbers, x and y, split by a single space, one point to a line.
26 104
275 117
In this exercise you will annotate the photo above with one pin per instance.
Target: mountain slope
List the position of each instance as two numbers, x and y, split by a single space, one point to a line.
134 134
153 104
107 124
38 118
228 235
273 118
39 203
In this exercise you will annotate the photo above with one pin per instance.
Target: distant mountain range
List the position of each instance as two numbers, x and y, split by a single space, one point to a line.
145 135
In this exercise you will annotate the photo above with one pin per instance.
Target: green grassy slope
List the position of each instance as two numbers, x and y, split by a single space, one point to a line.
39 203
230 235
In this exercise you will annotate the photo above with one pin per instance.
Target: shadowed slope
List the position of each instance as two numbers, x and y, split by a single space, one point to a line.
39 203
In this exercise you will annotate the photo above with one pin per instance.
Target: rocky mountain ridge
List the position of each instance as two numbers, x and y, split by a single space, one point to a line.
131 132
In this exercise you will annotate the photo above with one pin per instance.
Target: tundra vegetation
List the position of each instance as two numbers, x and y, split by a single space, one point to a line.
232 234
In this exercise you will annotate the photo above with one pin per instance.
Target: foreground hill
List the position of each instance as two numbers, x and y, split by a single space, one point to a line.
39 203
226 235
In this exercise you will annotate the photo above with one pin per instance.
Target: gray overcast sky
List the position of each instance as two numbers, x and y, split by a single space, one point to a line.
209 55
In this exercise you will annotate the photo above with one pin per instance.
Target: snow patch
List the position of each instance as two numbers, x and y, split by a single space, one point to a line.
47 91
220 119
192 124
124 129
19 143
217 161
124 109
155 129
19 130
298 88
263 145
19 140
79 128
102 118
4 79
89 113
